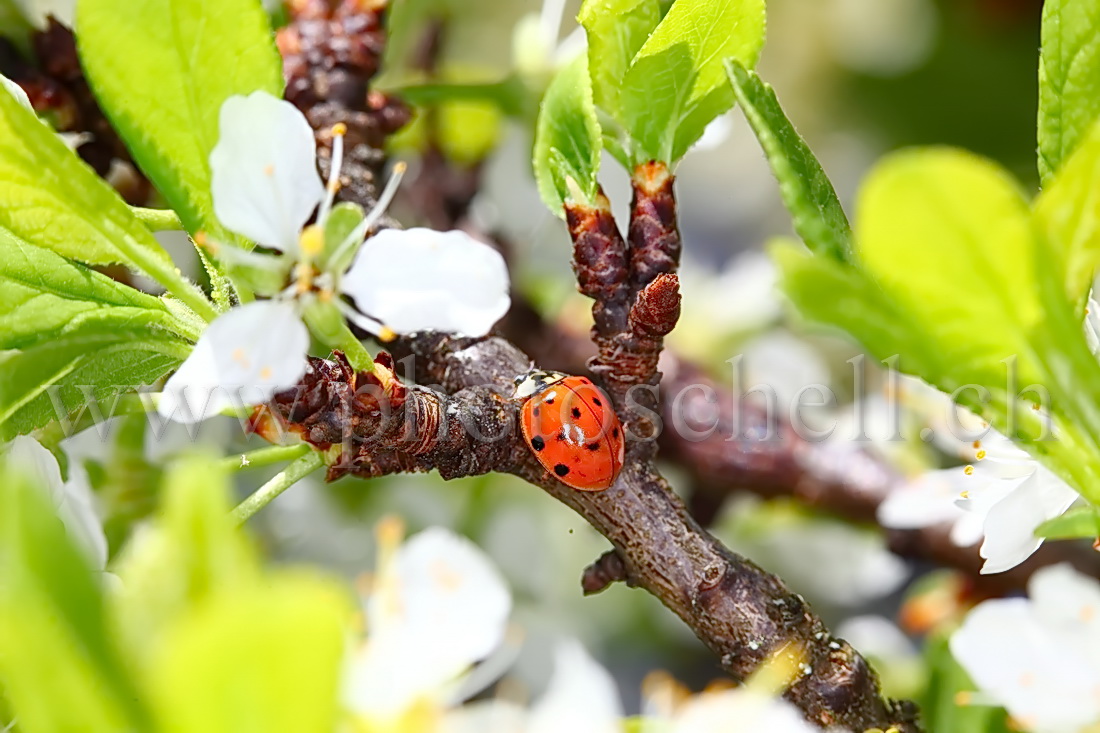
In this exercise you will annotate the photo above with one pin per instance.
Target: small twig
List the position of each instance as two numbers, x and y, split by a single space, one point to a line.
282 481
265 456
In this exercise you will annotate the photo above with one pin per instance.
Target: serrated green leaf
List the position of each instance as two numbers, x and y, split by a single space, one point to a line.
1069 80
54 641
194 54
949 236
1082 521
815 209
44 295
52 199
677 84
263 658
1069 212
100 357
616 31
567 138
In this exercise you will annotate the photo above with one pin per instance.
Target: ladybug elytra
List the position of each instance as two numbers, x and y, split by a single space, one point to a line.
569 424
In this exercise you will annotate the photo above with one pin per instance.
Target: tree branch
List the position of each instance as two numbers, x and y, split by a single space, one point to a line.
373 424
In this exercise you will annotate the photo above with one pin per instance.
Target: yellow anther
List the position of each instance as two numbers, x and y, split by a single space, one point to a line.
386 334
980 454
269 169
339 129
965 494
312 240
969 470
325 295
977 444
389 532
333 186
266 373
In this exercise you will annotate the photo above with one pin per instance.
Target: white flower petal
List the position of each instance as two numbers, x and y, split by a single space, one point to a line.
263 170
581 697
1068 603
1010 525
39 465
72 500
924 501
246 355
81 520
441 606
1092 325
740 710
1046 685
424 280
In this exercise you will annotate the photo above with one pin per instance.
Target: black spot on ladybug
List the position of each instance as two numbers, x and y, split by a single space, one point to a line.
576 412
535 412
561 469
561 434
615 433
596 402
538 443
593 446
548 401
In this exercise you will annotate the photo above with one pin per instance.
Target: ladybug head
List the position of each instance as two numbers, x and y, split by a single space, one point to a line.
535 381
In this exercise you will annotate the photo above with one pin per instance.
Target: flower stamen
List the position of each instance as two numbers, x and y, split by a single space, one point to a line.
332 186
355 238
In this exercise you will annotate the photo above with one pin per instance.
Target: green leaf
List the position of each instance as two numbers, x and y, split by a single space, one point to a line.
54 639
192 552
1069 212
940 708
1082 521
949 236
815 209
259 658
1069 79
44 295
194 55
567 138
14 25
69 334
676 83
52 199
832 293
616 30
99 358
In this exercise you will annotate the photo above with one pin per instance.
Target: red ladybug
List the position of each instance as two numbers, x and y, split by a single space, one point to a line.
569 425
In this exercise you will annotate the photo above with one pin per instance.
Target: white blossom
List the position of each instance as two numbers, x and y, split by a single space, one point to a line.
437 607
1002 495
1039 657
265 187
72 500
